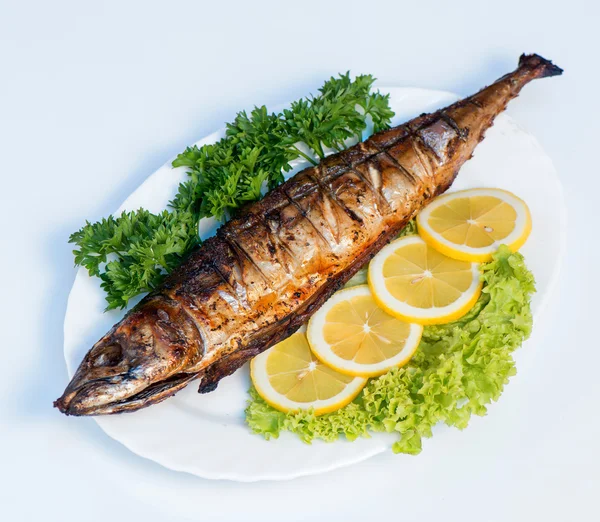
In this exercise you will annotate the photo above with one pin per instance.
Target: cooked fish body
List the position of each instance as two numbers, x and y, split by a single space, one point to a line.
268 270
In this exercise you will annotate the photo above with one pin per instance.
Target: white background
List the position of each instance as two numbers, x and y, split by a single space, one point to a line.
94 96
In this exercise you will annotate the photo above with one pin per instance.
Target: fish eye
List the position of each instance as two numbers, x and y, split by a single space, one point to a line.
109 355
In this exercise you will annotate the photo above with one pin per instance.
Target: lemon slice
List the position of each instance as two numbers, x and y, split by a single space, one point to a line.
412 281
351 334
290 378
471 224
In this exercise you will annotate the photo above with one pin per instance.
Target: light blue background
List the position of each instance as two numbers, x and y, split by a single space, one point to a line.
94 96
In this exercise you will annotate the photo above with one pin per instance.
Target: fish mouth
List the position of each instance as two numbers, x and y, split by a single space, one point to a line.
86 400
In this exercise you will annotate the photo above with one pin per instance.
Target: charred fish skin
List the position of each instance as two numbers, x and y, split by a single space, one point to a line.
264 273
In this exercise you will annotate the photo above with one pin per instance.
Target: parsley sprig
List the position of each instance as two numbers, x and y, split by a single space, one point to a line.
132 252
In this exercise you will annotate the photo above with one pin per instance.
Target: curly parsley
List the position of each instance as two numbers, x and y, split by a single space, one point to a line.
132 252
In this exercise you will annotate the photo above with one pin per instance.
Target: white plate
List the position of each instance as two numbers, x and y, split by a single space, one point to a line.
205 434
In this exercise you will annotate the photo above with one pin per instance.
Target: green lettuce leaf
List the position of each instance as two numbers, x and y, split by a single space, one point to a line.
457 371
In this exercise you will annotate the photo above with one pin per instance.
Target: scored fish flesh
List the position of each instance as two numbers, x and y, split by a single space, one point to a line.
266 271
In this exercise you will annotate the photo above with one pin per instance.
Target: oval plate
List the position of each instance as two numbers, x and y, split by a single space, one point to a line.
205 434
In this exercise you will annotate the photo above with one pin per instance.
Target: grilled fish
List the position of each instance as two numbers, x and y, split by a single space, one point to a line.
266 271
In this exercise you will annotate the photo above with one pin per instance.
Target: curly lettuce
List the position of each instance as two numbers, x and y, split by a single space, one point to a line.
457 371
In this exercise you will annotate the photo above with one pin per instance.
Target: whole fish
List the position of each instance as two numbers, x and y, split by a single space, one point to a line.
266 271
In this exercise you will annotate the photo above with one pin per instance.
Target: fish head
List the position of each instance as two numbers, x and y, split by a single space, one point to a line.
140 361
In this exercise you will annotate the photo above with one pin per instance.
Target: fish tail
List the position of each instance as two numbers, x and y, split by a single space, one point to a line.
452 134
543 67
